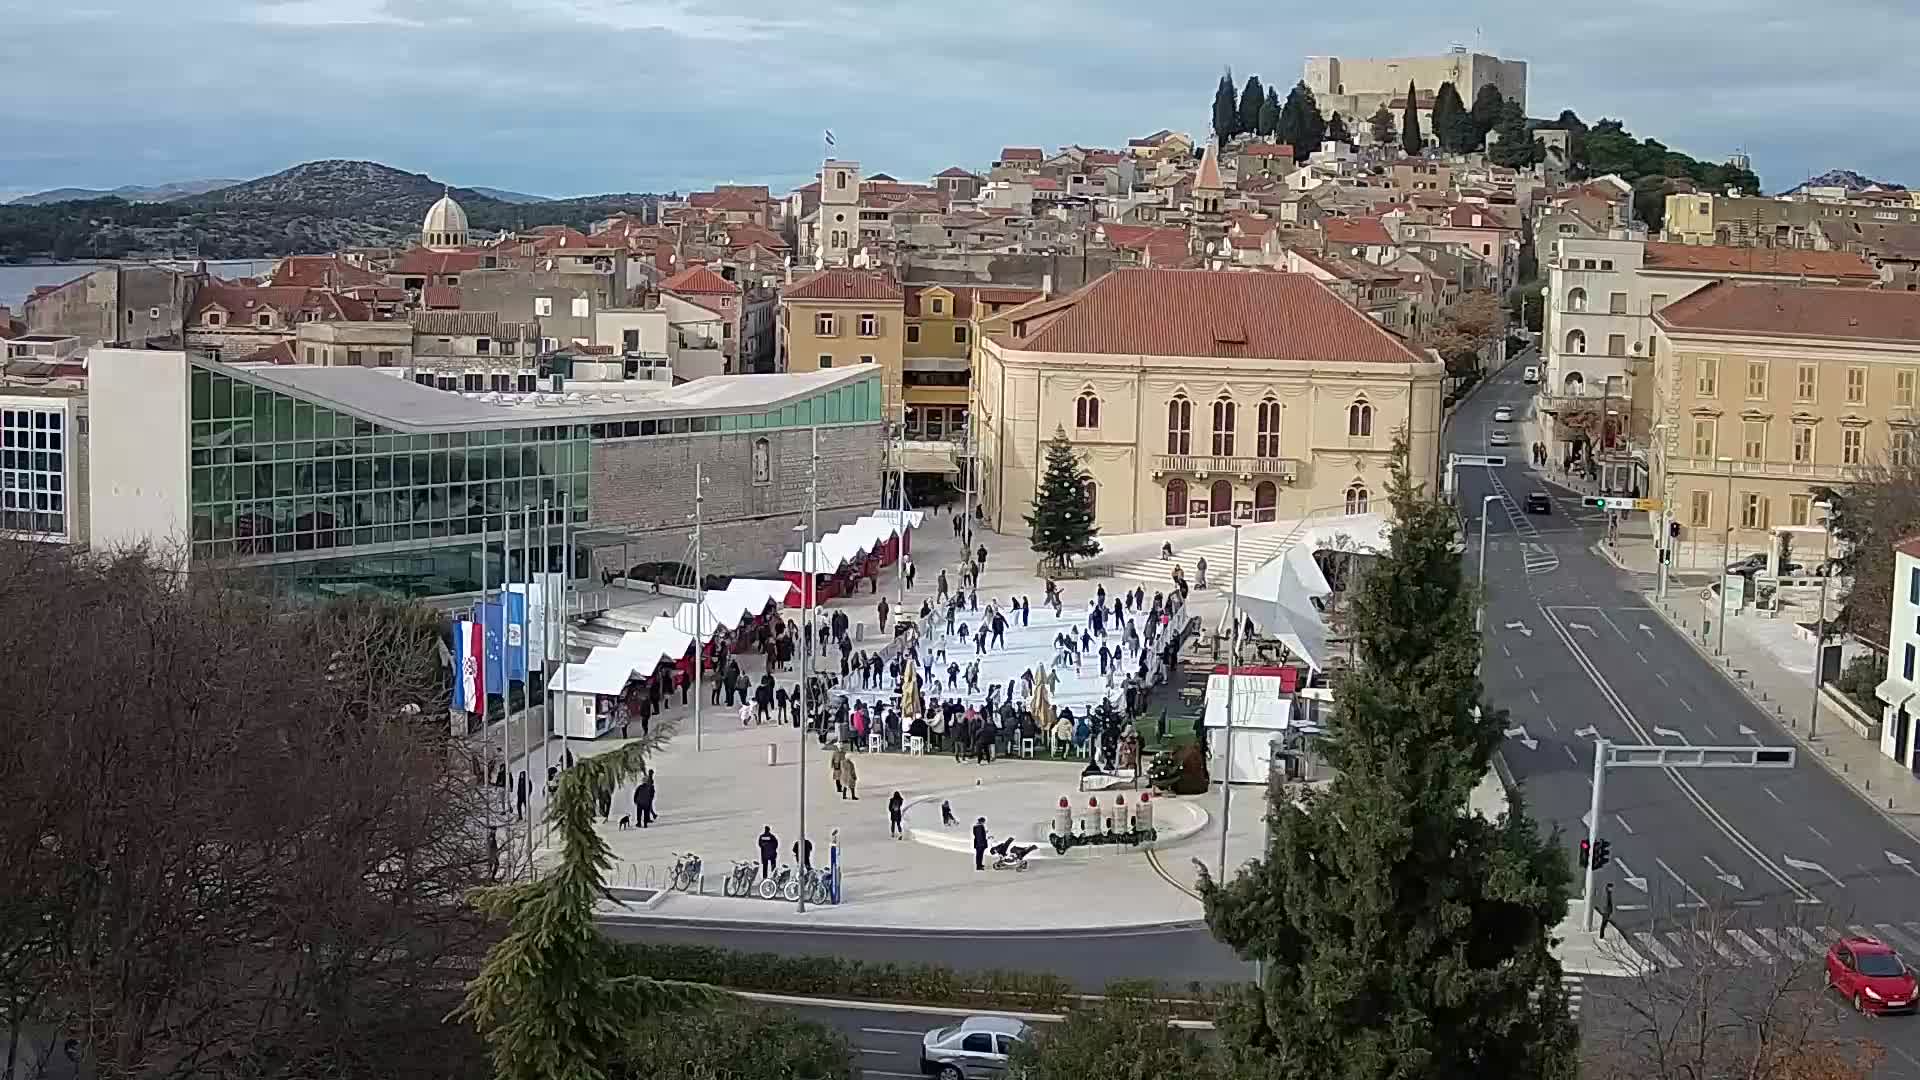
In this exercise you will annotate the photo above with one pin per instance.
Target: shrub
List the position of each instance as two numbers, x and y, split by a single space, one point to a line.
1858 679
1181 770
736 1043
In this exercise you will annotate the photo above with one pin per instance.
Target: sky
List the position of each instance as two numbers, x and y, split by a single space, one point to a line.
568 97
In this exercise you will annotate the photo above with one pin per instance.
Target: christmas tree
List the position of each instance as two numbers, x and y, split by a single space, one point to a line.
1062 518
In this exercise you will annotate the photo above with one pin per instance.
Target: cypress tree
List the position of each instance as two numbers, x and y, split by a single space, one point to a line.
1251 99
1062 519
1403 937
1450 121
1270 113
1381 125
1410 138
1487 105
1226 114
1337 130
1301 125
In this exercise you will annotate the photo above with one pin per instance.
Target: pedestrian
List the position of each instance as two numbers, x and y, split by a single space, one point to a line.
946 814
850 775
769 850
909 573
838 765
716 684
982 553
803 853
980 844
746 714
896 806
643 804
883 615
1606 911
522 789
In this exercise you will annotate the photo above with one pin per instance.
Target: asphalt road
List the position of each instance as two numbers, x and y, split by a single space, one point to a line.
1739 867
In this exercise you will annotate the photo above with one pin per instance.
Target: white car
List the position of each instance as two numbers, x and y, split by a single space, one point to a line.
1499 438
1502 415
976 1048
1530 375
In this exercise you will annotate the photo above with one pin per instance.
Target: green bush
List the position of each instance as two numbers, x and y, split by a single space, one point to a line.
1180 771
1120 1036
1858 679
736 1043
908 984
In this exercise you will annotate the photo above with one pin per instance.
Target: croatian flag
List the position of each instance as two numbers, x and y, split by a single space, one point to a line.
469 652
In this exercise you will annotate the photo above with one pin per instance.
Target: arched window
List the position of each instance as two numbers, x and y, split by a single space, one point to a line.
1265 498
1576 299
1220 503
1356 498
1360 418
1176 502
1086 411
1576 341
1267 441
1180 426
1223 417
1575 384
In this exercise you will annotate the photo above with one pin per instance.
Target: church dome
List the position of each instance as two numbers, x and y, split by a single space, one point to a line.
445 225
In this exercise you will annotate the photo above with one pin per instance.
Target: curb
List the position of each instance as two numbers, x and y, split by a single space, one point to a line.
853 1005
1771 708
704 922
1153 860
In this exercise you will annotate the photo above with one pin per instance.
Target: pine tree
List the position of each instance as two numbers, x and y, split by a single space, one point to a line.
1450 121
1270 113
1226 114
1382 129
1251 99
1062 518
1487 104
1337 130
1411 140
1402 936
1516 147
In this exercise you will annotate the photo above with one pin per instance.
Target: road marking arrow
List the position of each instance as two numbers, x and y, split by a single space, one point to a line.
1669 733
1749 733
1801 864
1583 626
1902 861
1587 732
1730 879
1520 626
1647 630
1525 740
1637 882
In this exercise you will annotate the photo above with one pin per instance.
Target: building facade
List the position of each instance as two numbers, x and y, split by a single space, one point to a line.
1900 715
43 463
135 306
839 318
1199 397
1356 87
1763 392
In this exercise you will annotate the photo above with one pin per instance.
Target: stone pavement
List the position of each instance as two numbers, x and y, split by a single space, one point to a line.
1783 687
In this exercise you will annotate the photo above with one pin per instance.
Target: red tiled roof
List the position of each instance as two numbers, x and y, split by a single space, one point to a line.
1910 547
746 233
956 172
1803 311
440 298
1045 183
1214 314
1104 157
242 302
697 280
321 272
420 261
1266 149
280 352
1360 230
1789 262
842 284
1464 215
1022 153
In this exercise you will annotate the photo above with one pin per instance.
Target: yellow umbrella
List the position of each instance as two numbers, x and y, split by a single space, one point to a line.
910 691
1042 707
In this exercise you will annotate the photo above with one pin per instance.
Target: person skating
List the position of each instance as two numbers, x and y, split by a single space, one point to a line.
896 806
946 814
769 851
980 844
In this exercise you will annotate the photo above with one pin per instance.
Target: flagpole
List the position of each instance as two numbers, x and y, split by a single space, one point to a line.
566 584
526 669
485 711
546 646
699 605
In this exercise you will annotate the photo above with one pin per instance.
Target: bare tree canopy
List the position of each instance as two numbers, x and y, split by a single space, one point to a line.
238 842
1880 508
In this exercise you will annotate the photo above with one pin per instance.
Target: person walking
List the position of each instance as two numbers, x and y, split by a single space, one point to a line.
838 765
980 844
1606 911
643 802
803 853
769 851
896 806
883 615
522 789
850 775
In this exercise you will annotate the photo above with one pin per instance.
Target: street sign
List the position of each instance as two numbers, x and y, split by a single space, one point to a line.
1699 757
1484 461
1619 502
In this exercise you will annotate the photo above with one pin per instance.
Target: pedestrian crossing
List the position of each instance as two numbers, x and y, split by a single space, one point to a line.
1742 945
1576 988
1258 547
1538 557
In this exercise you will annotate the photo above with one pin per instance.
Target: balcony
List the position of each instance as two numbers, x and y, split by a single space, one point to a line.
1771 470
1286 470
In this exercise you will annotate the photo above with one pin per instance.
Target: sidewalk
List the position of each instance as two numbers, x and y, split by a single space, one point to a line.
1782 686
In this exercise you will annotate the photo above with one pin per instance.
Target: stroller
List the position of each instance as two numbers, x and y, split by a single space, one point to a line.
1006 855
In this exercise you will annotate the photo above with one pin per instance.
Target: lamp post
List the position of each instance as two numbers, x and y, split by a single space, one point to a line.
699 603
809 601
1726 557
1820 620
1226 752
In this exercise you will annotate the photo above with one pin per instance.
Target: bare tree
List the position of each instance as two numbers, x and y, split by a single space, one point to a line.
256 837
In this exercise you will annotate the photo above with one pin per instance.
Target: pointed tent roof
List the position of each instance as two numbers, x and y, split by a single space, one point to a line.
1209 178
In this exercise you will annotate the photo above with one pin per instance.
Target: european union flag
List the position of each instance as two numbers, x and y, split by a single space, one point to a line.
493 620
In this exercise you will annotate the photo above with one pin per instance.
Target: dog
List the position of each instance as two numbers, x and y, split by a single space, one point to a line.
626 821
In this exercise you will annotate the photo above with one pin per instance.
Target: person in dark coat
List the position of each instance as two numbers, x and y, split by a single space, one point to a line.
643 802
895 807
522 789
763 699
980 843
769 850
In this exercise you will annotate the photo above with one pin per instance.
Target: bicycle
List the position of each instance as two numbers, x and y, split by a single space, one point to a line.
686 871
816 884
740 882
780 883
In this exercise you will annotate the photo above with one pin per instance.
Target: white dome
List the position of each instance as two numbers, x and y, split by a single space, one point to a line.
445 225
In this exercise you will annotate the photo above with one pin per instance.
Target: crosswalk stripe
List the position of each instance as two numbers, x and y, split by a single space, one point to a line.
1660 952
1713 942
1898 937
1750 945
1858 930
1813 945
1785 946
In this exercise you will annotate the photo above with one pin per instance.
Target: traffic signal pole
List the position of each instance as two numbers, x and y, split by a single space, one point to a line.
1593 827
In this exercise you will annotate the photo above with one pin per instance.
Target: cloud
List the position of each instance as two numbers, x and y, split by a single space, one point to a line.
575 96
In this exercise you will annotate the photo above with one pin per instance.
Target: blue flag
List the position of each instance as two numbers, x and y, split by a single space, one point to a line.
493 619
516 637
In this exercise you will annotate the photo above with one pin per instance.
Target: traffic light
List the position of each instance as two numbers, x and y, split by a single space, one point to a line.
1600 855
1585 852
1594 501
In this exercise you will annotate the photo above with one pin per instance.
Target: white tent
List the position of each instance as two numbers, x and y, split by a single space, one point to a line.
1279 597
1261 715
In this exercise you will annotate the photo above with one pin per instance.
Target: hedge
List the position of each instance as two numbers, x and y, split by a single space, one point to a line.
905 984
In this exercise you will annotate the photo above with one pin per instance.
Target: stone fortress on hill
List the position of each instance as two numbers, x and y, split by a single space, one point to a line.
1356 88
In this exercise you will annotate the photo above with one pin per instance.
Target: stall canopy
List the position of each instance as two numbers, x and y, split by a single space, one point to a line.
1281 596
883 535
1261 713
742 600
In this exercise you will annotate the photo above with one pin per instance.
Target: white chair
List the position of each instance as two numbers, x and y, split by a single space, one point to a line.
916 745
1026 747
875 743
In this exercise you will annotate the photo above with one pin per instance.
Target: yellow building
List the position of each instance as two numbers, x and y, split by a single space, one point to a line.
1200 397
1763 392
839 318
944 323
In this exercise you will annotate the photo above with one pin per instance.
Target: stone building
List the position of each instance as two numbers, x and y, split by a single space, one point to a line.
134 306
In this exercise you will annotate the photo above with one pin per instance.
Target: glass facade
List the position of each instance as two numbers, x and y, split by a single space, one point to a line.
279 479
855 403
33 471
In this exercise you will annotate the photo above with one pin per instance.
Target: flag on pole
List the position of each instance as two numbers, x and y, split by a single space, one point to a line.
829 136
493 621
516 636
468 651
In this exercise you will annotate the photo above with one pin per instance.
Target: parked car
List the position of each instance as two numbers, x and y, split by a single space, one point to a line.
1503 415
1870 974
976 1048
1539 502
1748 566
1499 438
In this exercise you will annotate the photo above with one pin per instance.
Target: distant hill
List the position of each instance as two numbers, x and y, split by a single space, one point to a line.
511 196
1843 178
157 193
312 207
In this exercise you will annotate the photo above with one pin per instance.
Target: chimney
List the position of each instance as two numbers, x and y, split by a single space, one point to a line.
1046 285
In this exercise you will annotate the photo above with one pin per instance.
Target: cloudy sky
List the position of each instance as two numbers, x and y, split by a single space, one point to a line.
563 97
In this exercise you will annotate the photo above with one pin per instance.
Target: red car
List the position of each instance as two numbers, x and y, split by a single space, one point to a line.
1871 975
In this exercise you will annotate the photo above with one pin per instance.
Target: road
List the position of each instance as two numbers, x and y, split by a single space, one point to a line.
1573 653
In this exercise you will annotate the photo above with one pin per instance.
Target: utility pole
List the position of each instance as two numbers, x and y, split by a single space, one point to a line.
1226 753
1820 621
699 604
809 600
1593 828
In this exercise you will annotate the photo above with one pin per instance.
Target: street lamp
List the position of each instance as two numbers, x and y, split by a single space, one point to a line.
1726 556
1820 620
1226 754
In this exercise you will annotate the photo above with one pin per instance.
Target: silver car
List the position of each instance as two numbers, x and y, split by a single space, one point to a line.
973 1049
